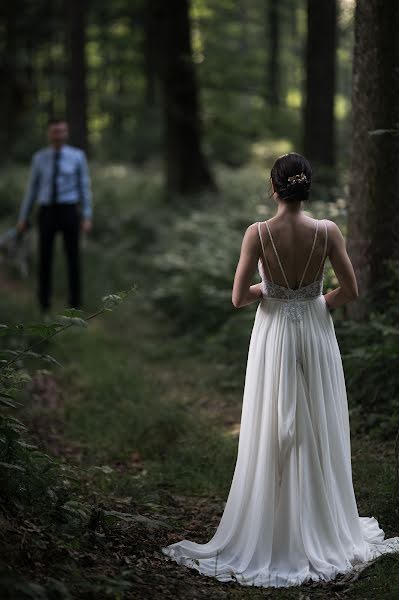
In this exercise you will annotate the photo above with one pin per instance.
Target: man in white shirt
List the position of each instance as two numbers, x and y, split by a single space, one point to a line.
60 183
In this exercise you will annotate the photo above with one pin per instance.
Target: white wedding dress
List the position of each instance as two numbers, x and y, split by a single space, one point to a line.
291 513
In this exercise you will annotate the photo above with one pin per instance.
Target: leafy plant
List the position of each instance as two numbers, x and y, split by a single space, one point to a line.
370 351
35 487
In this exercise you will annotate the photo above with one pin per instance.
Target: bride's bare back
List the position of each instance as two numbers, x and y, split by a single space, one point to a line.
295 250
293 236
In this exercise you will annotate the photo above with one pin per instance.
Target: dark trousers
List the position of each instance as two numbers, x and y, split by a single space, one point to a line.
52 218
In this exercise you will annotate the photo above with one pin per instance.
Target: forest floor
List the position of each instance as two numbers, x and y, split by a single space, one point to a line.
125 561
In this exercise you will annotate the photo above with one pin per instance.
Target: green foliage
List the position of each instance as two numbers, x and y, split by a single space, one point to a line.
196 270
370 352
371 364
231 52
37 490
196 255
184 258
26 474
12 185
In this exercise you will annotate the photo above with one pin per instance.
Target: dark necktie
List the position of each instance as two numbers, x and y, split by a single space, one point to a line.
54 189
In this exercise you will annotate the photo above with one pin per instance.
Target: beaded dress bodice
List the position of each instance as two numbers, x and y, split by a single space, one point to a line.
294 306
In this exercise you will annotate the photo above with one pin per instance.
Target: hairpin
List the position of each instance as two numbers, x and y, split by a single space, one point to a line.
299 177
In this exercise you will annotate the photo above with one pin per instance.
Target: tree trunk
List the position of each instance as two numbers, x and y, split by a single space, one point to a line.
373 210
149 48
8 74
15 78
186 168
273 67
319 135
76 93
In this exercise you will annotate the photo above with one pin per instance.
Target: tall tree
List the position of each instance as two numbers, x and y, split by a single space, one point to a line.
373 219
148 51
15 72
319 138
76 91
9 78
273 67
186 167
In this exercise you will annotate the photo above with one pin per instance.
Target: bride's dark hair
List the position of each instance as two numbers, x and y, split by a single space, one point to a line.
291 175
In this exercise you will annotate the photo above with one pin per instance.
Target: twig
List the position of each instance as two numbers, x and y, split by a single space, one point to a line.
36 344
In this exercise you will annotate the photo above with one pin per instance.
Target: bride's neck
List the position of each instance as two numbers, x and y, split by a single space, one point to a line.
288 208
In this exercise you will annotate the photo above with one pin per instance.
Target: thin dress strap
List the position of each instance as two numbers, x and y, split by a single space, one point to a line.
311 252
263 250
325 249
277 256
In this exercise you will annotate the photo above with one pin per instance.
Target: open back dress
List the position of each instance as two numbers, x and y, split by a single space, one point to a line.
291 514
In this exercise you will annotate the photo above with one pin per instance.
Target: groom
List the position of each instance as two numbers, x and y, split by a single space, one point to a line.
59 181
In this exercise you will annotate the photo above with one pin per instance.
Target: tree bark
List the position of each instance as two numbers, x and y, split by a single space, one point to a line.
149 49
319 134
8 75
373 210
273 67
15 78
186 168
76 92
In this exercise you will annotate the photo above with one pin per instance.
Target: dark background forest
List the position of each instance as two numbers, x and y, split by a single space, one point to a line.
119 423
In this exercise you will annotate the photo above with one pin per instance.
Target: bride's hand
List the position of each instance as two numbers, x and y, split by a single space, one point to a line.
325 300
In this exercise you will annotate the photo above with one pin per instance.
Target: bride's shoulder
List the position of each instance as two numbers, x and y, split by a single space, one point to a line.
252 229
335 236
332 227
251 233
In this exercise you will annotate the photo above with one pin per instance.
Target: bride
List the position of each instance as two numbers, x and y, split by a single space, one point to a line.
291 514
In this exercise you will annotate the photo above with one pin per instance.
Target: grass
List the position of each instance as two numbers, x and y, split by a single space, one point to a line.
149 420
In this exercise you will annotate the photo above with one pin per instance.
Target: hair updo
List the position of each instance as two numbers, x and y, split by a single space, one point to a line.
291 176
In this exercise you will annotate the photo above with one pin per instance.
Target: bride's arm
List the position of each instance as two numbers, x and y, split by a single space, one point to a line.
243 292
343 269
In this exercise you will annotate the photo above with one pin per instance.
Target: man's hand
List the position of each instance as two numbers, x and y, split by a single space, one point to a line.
86 225
22 226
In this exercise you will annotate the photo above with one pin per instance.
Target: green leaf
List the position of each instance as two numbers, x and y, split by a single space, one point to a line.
8 402
15 426
11 466
77 508
32 354
51 359
26 445
73 321
18 422
111 300
43 329
79 322
104 469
